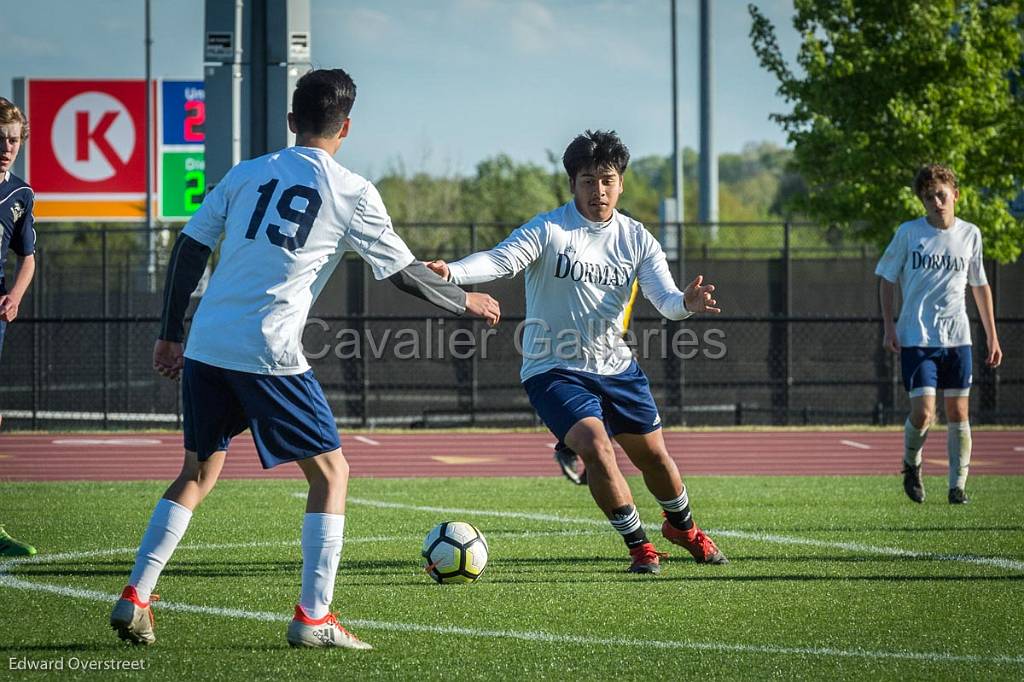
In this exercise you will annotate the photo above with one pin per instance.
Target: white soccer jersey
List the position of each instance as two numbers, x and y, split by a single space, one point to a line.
286 218
933 268
579 278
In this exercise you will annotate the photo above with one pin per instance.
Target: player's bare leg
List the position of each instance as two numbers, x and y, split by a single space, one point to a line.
196 479
588 439
132 616
611 492
650 455
915 431
323 529
327 475
958 446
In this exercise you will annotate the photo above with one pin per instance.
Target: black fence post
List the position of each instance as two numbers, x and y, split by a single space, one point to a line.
681 246
124 340
787 298
37 307
989 394
105 293
364 355
474 361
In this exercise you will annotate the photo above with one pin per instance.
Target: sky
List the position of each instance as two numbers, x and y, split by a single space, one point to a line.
444 84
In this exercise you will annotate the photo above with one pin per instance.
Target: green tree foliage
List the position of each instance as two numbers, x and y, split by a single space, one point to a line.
886 86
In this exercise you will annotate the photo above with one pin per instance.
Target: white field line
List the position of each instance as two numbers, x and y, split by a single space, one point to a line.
855 444
8 580
997 562
364 439
1018 448
123 442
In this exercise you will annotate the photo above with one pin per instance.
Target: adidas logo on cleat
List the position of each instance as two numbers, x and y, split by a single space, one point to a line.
325 635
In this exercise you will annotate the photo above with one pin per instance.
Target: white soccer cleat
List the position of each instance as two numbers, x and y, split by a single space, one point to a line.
132 618
321 632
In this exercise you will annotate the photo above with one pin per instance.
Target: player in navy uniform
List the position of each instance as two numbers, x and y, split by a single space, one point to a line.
286 219
17 233
581 260
934 259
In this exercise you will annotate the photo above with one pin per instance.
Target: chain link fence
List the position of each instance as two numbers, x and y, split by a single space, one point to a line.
799 340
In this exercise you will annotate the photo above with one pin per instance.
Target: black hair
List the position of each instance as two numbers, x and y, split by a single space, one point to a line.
595 149
322 101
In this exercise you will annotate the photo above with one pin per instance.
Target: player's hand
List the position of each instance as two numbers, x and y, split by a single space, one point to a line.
9 307
482 305
439 268
891 341
697 297
168 358
995 354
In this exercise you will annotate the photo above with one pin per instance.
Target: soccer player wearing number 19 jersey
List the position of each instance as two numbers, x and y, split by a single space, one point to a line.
283 222
934 258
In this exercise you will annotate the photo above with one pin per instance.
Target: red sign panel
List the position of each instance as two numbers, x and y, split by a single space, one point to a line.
87 136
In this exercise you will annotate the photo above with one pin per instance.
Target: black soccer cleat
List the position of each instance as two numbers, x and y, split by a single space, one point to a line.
912 484
569 463
958 496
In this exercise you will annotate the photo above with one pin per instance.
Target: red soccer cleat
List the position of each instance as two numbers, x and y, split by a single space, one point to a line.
132 618
321 632
696 543
646 559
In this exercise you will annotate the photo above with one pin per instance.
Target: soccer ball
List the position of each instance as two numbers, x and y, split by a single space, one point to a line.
455 552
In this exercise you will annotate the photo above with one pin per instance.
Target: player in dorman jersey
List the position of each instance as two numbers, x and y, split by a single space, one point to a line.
934 259
581 260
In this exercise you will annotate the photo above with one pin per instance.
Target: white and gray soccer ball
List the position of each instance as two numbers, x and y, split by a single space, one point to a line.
455 552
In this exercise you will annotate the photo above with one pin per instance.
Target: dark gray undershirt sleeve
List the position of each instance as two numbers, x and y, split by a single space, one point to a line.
417 279
185 269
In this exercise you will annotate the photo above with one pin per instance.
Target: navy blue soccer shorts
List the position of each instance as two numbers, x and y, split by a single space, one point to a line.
288 415
926 370
623 401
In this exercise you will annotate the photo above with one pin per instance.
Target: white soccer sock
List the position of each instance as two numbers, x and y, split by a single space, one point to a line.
678 507
958 446
913 443
322 539
166 527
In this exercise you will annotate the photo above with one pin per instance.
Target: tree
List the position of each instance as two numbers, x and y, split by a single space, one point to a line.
890 85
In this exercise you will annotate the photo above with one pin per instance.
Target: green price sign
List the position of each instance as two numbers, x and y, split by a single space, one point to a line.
182 184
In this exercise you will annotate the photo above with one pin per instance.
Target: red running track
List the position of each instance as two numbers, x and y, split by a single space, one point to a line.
142 456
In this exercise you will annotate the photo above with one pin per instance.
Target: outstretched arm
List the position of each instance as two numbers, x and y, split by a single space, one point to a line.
416 279
660 288
185 269
983 297
507 259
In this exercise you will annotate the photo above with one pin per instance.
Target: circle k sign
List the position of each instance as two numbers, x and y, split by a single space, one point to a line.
87 136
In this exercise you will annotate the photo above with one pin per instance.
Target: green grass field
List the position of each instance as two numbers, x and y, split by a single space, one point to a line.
831 578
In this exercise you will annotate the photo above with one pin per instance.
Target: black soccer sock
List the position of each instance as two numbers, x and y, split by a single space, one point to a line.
677 511
626 520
